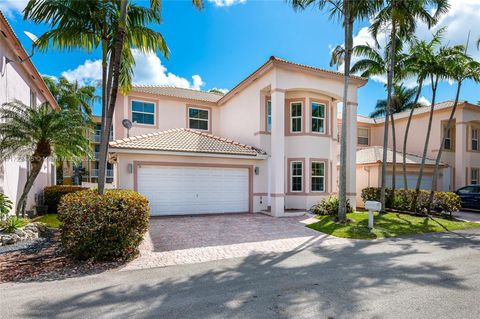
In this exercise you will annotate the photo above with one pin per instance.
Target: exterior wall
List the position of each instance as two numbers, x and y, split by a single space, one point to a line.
16 83
260 201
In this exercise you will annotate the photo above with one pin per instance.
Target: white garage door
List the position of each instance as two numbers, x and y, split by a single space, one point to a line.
194 190
411 181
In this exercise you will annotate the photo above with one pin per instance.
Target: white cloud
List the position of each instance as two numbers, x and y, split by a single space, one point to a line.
224 91
9 7
149 69
88 73
226 3
423 100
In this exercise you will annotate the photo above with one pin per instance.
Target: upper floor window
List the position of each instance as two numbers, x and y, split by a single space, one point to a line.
198 119
362 136
296 117
318 177
474 176
269 115
143 112
318 117
448 139
474 139
296 176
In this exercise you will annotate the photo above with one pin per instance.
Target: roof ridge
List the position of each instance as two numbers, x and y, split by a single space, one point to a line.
173 87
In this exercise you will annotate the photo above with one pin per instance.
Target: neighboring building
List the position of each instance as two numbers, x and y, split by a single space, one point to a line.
21 81
460 162
270 144
89 166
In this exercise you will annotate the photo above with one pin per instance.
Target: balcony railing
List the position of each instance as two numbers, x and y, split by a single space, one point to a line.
97 138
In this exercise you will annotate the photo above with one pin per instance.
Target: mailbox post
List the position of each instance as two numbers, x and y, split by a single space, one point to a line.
372 206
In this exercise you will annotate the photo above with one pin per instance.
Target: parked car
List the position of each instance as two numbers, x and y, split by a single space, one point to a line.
470 196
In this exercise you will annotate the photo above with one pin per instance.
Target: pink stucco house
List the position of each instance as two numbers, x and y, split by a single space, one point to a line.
270 144
20 81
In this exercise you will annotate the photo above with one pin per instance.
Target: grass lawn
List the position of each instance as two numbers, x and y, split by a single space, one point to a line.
388 225
50 220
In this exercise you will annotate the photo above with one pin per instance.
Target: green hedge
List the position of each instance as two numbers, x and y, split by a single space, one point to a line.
329 207
103 227
53 194
443 202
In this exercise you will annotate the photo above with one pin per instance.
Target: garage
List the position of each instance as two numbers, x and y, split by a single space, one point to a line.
179 190
411 181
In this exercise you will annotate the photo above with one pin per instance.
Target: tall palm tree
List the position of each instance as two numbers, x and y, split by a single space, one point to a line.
349 12
401 17
459 67
115 26
38 133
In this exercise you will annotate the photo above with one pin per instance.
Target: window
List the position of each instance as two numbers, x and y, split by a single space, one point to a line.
296 176
474 176
363 133
269 116
448 139
143 112
318 117
296 117
474 139
318 177
198 119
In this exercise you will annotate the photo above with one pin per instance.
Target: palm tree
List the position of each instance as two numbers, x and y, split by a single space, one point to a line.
350 11
459 67
38 133
113 25
401 17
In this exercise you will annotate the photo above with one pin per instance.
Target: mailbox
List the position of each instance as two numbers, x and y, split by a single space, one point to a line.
373 206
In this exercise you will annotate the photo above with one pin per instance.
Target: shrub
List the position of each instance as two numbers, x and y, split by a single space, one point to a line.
103 227
446 202
53 194
329 207
13 223
5 206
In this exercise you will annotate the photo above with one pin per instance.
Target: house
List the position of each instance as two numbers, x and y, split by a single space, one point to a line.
20 80
89 166
460 161
270 144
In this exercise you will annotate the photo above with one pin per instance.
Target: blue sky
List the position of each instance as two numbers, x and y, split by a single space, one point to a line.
220 45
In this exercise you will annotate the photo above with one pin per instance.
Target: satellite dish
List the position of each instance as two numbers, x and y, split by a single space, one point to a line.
128 125
31 36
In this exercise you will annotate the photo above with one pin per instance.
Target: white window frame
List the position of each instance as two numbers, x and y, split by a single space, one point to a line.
269 116
474 181
367 137
318 176
448 136
296 117
323 131
154 112
296 176
474 139
198 119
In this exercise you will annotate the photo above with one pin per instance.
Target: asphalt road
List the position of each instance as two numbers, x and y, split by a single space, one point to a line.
428 276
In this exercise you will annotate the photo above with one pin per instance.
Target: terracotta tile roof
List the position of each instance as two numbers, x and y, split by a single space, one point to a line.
186 140
374 154
172 91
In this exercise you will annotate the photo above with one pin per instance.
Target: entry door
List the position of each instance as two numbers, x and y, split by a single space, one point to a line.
179 190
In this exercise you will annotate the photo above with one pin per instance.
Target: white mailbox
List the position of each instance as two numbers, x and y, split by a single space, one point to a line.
373 206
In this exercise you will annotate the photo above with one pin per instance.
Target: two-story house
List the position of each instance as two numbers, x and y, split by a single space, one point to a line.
20 80
270 144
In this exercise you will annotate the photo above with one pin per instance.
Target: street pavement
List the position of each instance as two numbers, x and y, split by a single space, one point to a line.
425 276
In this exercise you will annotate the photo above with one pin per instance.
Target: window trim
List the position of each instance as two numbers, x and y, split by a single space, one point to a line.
325 116
472 129
268 99
130 110
325 175
477 170
368 135
290 162
287 116
291 118
203 108
449 138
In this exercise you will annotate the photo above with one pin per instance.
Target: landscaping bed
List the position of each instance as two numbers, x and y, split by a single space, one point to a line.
387 225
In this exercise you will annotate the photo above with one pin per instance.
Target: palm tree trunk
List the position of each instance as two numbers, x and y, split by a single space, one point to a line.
387 113
442 145
425 148
342 193
394 158
115 61
35 168
409 122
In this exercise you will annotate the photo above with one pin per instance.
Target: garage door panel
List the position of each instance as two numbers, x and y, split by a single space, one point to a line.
194 190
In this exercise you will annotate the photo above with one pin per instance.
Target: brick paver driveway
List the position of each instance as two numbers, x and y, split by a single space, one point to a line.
192 239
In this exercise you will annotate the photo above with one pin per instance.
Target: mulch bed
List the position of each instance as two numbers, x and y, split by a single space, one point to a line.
46 261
